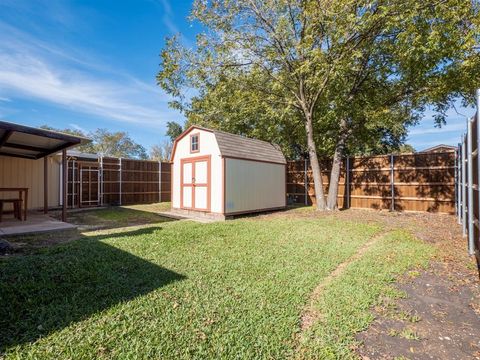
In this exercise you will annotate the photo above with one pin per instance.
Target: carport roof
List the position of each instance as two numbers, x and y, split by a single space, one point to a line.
33 143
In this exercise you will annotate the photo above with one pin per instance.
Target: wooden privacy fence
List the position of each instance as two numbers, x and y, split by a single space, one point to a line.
468 188
114 181
405 182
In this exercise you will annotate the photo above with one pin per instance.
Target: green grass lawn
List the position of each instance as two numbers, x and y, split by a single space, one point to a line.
178 290
120 216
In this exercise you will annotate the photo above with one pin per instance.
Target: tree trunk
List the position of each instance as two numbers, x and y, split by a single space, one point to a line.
336 165
317 173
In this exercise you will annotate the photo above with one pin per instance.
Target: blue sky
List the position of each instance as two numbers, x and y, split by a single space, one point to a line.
90 64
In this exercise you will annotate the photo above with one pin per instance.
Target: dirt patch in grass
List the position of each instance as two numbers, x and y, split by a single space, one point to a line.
433 321
439 316
24 244
91 222
117 216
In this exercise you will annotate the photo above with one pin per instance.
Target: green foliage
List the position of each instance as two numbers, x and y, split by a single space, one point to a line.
74 132
106 143
363 70
117 144
173 130
161 152
406 149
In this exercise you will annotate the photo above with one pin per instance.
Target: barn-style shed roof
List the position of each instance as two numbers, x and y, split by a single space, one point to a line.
241 147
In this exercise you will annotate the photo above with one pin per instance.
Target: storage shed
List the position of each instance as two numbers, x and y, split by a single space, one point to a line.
219 174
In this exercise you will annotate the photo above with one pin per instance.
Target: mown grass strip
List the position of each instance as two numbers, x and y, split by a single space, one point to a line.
345 305
310 314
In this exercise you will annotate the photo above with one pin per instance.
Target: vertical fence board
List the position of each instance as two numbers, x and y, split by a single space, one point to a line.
415 182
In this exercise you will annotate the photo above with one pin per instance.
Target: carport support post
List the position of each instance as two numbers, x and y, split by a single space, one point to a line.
470 186
45 185
64 187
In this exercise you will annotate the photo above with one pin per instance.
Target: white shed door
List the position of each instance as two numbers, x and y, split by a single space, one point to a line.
201 184
195 189
187 185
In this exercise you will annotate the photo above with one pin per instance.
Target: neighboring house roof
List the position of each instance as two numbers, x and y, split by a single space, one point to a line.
241 147
79 154
439 148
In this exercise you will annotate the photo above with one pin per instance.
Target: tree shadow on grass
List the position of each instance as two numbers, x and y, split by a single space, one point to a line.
112 218
51 289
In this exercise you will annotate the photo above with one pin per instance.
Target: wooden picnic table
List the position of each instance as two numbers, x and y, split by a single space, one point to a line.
22 194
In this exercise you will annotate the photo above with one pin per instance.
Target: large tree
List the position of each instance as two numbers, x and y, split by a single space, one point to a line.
355 74
161 152
117 144
174 130
107 143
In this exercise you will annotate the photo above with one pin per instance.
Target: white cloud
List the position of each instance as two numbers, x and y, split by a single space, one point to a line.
78 127
5 99
167 18
72 79
454 127
26 75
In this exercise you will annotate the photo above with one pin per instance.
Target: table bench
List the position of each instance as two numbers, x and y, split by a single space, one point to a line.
17 207
22 196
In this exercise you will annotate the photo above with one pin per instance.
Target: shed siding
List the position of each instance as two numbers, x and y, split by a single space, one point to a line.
208 146
253 185
16 172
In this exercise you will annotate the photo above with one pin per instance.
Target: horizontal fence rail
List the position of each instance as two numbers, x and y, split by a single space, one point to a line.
404 182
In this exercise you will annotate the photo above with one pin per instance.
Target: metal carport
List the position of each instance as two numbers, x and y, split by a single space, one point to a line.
26 142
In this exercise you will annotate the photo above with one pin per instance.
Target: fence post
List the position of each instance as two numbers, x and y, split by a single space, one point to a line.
459 183
392 184
160 181
477 119
347 182
464 186
120 178
455 181
306 181
470 185
101 181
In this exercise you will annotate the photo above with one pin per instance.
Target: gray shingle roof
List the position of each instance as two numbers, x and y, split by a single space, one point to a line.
238 146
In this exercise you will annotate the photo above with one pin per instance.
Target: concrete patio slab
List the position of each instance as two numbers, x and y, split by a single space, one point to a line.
35 223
